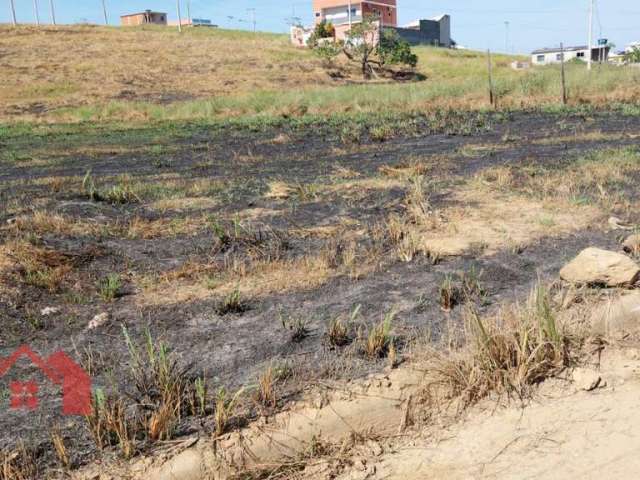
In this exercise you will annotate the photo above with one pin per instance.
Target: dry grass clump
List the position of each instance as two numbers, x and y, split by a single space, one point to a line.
18 464
508 354
603 177
379 339
38 266
266 394
160 395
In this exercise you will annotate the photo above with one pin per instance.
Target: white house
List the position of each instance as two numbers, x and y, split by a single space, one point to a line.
547 56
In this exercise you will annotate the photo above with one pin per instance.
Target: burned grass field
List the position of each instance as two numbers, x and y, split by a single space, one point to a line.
206 275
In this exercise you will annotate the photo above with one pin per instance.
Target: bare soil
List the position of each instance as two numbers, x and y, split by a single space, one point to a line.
170 288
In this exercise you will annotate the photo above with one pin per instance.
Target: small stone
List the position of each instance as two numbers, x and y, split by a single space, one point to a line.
632 244
11 221
45 312
587 380
98 321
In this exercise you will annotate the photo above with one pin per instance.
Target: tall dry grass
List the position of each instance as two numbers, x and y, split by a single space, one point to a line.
83 73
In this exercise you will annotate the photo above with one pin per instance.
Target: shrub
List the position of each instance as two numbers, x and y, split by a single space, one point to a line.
395 51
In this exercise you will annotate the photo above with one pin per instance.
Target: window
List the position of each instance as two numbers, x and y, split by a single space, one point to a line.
558 57
317 14
580 55
540 59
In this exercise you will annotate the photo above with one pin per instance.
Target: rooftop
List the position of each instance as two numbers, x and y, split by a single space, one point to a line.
146 12
558 49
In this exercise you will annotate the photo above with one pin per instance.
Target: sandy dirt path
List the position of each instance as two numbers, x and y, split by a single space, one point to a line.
567 433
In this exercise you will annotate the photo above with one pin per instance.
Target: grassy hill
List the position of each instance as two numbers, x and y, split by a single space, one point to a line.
98 73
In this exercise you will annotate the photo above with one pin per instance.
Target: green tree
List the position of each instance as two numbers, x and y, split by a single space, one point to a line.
633 56
395 51
361 45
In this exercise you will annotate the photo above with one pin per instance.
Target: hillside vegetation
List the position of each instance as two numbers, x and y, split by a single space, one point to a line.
97 73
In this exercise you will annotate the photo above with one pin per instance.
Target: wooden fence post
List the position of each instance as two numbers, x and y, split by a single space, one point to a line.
492 98
564 82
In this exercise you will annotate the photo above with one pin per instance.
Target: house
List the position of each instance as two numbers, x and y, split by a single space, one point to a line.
548 56
435 31
144 18
343 13
194 22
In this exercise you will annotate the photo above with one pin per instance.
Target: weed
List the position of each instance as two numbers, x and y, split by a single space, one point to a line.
60 448
232 303
199 398
109 424
471 285
109 287
508 354
296 326
120 193
224 410
266 392
379 339
160 385
338 330
338 333
449 294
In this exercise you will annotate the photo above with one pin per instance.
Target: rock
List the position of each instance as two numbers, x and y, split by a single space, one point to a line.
11 221
588 380
601 267
632 244
188 465
98 321
618 317
45 312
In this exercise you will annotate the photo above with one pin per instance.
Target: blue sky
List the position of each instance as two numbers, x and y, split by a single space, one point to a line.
476 24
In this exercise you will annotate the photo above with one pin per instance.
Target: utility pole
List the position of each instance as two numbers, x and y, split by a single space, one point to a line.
189 12
53 12
179 16
506 37
589 60
104 11
253 17
350 15
13 13
36 12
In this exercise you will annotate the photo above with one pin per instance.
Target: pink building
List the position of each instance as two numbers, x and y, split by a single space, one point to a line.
342 13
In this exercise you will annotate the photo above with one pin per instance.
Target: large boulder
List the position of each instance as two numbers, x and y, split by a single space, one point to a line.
632 244
594 266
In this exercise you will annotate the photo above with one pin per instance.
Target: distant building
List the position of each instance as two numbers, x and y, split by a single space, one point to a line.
548 56
337 13
435 31
194 22
300 35
144 18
